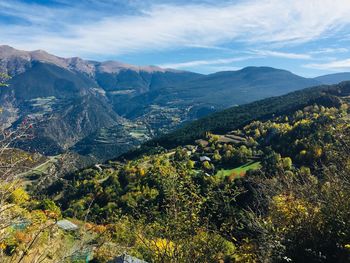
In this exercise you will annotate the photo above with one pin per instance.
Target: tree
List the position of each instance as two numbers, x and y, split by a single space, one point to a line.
27 227
3 79
287 163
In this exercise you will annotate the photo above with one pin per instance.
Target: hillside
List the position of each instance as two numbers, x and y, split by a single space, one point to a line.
246 85
61 104
117 106
334 78
223 89
238 116
266 191
174 131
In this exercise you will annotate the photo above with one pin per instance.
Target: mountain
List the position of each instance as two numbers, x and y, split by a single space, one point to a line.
333 78
102 109
16 61
63 105
262 182
228 88
265 181
236 117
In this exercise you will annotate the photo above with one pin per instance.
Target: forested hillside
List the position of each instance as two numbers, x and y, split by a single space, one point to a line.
271 188
236 117
99 110
174 131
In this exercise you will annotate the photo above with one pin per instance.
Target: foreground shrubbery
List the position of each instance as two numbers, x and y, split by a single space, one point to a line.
292 203
167 208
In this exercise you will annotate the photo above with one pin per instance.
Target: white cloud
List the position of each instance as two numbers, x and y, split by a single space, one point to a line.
172 26
215 63
209 62
270 53
333 65
330 50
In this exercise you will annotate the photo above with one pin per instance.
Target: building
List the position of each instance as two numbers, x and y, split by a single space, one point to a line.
204 158
66 225
126 259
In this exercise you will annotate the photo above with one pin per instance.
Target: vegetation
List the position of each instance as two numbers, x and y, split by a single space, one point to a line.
284 195
239 171
237 117
267 185
77 104
29 230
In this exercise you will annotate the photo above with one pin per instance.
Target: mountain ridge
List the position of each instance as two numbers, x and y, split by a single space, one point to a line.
133 102
75 63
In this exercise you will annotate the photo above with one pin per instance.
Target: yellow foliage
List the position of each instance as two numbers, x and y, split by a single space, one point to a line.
302 122
318 152
257 133
19 196
2 246
38 216
287 210
246 253
99 229
303 152
142 172
162 246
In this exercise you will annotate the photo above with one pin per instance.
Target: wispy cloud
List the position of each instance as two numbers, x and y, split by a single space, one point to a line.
270 53
330 50
332 66
170 26
196 63
252 54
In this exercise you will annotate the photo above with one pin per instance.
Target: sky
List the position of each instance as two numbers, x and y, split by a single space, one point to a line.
307 37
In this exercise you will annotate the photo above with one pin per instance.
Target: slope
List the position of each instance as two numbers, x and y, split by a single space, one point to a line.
334 78
276 189
236 117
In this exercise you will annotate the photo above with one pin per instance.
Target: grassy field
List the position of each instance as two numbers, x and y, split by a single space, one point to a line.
239 171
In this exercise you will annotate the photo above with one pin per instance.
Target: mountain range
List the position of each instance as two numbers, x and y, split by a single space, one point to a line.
102 109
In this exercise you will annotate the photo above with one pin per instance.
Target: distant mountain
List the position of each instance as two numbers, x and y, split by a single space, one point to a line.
207 93
101 109
333 78
277 167
236 117
62 104
16 61
223 89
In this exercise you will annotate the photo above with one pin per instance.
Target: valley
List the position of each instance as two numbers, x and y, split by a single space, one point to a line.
263 162
276 176
172 131
101 110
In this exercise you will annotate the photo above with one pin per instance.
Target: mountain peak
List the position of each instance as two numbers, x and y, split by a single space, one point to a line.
7 52
43 56
112 66
75 63
6 47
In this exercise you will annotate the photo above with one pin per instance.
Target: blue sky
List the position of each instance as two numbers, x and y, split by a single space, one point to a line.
308 37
